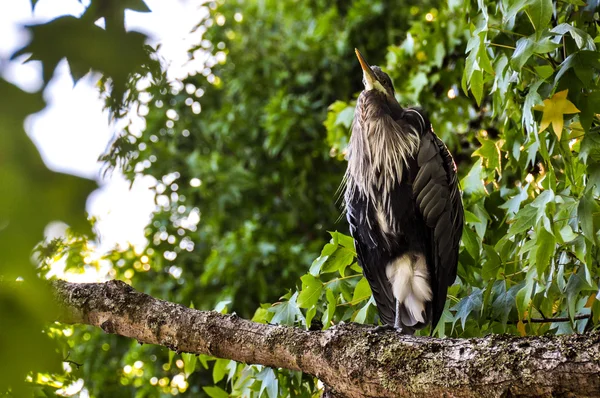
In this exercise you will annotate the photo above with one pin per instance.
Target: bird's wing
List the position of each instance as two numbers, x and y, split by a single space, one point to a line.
369 255
437 196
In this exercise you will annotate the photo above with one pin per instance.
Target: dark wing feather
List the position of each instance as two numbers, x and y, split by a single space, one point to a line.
371 256
438 199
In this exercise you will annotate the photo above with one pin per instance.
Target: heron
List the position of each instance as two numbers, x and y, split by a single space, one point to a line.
403 205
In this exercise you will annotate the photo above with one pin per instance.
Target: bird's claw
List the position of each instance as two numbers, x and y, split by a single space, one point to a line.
383 328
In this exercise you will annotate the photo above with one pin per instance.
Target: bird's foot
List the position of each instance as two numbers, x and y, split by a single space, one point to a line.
383 328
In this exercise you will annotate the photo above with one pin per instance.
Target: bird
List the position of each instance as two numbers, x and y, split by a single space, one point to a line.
403 205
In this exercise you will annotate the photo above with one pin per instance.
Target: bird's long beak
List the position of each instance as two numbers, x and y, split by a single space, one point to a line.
370 78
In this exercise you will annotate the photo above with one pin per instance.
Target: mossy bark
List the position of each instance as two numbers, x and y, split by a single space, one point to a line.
352 360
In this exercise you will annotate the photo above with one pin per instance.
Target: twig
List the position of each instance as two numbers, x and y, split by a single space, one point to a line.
67 360
559 319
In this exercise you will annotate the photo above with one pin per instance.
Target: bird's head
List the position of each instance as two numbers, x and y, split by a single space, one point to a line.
374 78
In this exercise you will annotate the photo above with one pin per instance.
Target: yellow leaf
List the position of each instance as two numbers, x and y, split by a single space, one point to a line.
554 108
521 328
590 301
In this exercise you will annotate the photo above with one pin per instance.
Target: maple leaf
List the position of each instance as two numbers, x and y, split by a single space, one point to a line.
554 108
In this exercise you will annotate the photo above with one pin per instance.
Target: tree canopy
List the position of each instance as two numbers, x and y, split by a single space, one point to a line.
248 155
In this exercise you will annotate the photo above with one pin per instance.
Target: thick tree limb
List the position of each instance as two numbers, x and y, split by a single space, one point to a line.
353 360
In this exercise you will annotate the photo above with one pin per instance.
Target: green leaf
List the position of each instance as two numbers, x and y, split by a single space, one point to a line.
261 315
590 147
468 305
489 153
588 213
513 9
483 58
344 118
583 63
117 54
567 234
513 204
504 302
546 247
32 197
328 249
502 78
215 392
540 14
593 170
310 314
483 215
270 383
361 315
331 306
286 312
471 242
345 240
577 283
362 290
545 45
532 99
189 361
341 258
541 202
417 84
311 291
220 369
582 39
341 287
492 264
523 296
315 268
477 85
524 220
589 104
588 64
447 317
523 51
439 54
544 71
472 183
567 64
471 218
221 306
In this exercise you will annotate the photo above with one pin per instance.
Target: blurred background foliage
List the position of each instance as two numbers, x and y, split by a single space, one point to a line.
248 156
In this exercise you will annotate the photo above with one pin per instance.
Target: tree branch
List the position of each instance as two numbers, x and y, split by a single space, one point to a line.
352 360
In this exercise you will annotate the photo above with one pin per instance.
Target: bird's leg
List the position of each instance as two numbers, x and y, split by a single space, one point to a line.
397 320
397 325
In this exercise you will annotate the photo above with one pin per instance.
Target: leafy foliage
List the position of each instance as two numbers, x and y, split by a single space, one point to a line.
33 196
248 155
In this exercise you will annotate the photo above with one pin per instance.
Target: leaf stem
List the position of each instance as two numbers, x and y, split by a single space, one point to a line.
501 46
540 56
358 300
496 28
342 278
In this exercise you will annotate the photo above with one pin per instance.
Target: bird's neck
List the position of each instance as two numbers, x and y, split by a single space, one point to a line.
380 152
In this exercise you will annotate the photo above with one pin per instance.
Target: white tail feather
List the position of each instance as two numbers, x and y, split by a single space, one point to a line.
410 284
